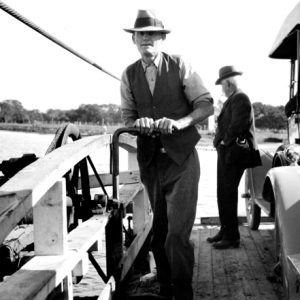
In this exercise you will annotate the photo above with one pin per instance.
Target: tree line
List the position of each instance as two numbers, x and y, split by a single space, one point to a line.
12 111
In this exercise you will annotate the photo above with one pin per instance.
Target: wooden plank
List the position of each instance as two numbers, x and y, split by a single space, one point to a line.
233 273
261 263
241 220
203 276
50 222
24 190
126 177
128 192
141 210
87 233
55 164
220 279
243 284
267 232
108 291
82 267
128 142
134 248
43 273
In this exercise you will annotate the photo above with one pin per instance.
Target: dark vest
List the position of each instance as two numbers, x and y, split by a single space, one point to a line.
168 101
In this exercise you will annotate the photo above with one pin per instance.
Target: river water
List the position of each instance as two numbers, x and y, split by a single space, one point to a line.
15 144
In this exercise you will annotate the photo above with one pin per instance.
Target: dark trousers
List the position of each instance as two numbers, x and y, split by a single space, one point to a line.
228 179
173 193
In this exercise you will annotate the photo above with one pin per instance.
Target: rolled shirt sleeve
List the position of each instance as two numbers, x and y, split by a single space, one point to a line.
193 85
128 104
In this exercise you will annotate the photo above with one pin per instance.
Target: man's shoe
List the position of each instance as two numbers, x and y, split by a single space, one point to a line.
215 238
225 244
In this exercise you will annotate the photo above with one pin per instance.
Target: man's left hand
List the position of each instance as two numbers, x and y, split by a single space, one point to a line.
166 125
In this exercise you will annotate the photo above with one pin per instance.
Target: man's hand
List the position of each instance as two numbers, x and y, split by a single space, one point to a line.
146 125
166 126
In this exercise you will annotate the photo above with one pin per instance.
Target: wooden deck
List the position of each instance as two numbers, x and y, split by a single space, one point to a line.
235 274
231 274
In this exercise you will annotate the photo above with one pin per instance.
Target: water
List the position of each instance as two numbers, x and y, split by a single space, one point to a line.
15 144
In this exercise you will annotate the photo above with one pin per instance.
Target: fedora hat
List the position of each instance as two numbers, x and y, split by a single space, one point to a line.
226 72
146 20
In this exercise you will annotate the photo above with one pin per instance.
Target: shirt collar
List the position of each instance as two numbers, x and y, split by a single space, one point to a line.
155 62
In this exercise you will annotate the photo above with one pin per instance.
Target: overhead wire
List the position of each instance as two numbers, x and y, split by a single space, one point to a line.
41 31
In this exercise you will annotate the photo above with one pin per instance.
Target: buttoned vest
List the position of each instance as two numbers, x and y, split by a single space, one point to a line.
168 101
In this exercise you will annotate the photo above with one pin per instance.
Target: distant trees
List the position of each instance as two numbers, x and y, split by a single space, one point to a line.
268 116
12 111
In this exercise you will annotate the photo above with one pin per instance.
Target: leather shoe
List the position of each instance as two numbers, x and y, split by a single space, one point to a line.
225 244
215 238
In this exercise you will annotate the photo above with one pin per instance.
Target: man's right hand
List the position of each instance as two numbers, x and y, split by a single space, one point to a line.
145 125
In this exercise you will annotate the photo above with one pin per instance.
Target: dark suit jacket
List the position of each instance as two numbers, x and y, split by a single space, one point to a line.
236 119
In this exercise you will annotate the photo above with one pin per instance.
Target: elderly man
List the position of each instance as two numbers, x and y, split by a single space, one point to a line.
237 150
163 97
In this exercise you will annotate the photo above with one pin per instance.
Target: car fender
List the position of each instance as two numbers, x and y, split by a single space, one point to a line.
285 185
257 175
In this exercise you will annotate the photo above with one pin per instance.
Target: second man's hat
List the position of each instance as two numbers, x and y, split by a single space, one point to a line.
226 72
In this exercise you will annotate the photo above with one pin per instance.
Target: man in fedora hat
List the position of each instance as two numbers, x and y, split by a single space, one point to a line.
163 97
237 150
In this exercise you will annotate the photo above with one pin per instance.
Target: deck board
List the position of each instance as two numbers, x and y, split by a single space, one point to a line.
235 274
244 273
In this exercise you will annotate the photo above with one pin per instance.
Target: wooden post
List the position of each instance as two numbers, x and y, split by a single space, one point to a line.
132 161
82 267
68 288
49 221
141 210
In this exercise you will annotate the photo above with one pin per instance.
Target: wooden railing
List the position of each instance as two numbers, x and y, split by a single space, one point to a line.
59 255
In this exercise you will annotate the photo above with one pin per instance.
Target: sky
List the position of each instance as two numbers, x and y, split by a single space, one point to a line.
208 33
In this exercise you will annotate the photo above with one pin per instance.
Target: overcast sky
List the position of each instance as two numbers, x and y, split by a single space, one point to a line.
209 33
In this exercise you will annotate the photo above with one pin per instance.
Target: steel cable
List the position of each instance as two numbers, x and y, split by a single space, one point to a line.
27 22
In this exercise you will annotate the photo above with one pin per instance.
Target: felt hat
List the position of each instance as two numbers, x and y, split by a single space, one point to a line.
146 20
226 72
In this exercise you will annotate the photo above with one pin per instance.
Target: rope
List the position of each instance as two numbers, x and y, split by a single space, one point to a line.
33 26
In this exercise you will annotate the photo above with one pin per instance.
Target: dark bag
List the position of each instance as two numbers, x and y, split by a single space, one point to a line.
239 153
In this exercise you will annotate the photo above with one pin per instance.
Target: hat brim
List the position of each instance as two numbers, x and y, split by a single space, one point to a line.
148 28
227 76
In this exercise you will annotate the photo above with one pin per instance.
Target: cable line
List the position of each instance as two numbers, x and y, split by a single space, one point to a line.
27 22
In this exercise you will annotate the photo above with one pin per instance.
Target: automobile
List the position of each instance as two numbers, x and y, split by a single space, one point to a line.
274 187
